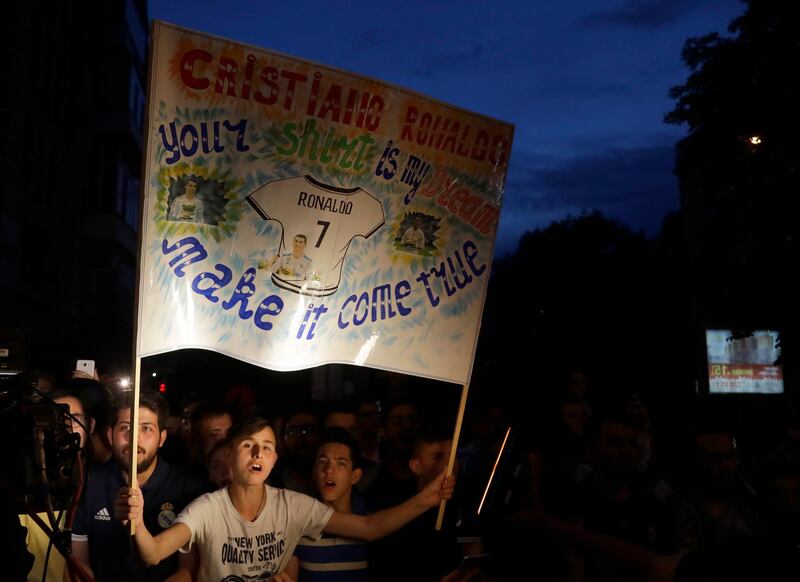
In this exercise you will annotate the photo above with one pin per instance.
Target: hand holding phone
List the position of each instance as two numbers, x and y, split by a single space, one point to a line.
85 367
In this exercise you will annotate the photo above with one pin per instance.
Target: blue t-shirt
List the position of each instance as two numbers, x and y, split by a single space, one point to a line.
332 558
111 553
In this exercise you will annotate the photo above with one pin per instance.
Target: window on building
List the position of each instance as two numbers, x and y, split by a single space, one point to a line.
135 99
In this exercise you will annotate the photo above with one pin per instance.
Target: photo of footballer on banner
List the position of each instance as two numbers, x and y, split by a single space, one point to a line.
334 216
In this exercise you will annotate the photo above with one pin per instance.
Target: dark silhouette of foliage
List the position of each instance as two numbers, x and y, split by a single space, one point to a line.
586 290
743 84
738 168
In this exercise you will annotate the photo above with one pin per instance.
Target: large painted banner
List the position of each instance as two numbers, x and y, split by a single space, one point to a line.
298 215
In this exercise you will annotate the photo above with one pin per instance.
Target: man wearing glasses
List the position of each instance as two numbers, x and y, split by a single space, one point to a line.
301 434
715 503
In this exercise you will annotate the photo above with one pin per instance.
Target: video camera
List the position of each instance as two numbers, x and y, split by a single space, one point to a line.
39 452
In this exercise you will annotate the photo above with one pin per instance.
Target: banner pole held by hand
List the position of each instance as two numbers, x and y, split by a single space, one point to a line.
453 448
133 443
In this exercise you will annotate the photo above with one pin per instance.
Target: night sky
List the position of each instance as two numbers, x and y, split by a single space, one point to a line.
585 82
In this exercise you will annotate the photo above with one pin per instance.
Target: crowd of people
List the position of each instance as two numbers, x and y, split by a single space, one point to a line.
583 488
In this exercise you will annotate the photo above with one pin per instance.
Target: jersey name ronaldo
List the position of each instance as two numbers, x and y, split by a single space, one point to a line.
327 217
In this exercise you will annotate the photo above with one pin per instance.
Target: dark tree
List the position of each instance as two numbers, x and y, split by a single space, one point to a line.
738 168
585 292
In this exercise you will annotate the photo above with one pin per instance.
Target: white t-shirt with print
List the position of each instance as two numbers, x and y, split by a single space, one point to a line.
232 548
415 238
185 209
291 268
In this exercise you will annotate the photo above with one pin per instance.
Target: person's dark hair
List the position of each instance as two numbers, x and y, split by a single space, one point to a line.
67 393
206 410
301 409
241 401
391 404
87 417
189 399
48 378
97 401
149 399
340 406
338 435
302 236
430 436
366 400
710 425
247 428
595 424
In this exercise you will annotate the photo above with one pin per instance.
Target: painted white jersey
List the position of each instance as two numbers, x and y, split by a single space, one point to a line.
329 218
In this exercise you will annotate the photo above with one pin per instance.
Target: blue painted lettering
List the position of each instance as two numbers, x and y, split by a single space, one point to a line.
388 158
466 277
364 298
271 306
382 297
414 174
376 306
243 291
432 296
216 282
192 252
317 314
344 324
401 291
442 275
204 138
471 252
447 273
191 138
170 143
208 283
240 128
190 148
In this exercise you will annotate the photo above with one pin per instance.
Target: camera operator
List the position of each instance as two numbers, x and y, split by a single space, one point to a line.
37 541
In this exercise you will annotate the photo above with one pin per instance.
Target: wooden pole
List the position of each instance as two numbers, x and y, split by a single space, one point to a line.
133 444
453 448
137 321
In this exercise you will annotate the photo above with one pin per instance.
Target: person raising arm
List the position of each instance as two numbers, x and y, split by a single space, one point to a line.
250 528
